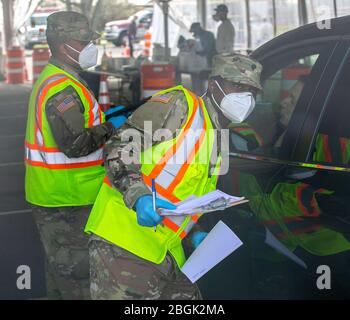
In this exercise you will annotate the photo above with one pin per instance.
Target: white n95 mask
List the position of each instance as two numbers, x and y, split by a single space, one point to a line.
87 57
236 106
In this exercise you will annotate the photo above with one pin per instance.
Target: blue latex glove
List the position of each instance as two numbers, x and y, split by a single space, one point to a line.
197 238
117 121
114 109
146 216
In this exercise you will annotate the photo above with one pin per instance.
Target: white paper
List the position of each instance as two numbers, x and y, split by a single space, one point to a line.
195 205
273 242
216 246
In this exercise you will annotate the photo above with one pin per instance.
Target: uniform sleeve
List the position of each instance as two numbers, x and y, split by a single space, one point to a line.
65 115
122 151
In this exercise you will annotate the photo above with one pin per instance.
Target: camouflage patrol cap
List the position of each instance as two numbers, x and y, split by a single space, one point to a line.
69 25
237 68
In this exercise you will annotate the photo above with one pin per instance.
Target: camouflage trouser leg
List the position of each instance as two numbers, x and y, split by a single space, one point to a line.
117 274
66 247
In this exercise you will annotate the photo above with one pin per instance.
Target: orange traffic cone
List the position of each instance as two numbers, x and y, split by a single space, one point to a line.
104 98
147 44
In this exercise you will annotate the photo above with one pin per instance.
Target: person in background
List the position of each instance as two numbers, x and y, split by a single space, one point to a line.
207 41
132 30
226 31
206 49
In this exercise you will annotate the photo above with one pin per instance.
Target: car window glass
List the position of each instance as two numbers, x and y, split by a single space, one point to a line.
39 21
146 19
264 130
331 143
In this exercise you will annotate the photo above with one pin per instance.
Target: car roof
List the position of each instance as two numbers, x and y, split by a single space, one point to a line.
339 27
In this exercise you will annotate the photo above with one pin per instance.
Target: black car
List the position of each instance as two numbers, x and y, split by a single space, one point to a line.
295 170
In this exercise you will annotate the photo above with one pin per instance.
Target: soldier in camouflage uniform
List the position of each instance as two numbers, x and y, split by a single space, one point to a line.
116 273
63 176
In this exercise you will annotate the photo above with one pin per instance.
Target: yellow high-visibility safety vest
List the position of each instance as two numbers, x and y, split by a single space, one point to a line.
111 220
52 179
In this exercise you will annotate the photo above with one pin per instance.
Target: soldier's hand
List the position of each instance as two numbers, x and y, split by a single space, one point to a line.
146 216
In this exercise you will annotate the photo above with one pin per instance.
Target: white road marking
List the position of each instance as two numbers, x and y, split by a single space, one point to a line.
12 136
11 164
13 117
5 213
14 103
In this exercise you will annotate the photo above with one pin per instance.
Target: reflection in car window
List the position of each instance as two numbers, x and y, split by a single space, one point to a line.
332 141
264 130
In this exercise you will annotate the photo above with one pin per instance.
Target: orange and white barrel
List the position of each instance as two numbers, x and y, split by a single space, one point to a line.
147 44
15 65
156 77
104 98
41 56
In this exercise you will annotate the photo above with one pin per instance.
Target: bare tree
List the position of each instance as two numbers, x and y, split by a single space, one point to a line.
7 6
101 11
83 6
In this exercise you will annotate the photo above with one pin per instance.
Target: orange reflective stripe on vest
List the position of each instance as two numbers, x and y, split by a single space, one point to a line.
295 225
333 149
168 174
38 154
307 201
173 223
42 92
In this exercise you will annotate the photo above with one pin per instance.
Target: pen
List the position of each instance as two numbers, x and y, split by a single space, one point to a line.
154 199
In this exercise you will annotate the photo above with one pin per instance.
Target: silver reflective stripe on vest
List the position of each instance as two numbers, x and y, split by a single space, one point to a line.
189 226
39 137
96 112
39 134
180 157
59 158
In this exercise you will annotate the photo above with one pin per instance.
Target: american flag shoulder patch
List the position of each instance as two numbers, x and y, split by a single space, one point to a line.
164 98
66 104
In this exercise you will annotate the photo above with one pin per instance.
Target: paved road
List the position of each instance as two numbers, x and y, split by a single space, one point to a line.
19 240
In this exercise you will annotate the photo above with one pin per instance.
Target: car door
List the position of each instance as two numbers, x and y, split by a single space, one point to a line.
324 149
259 153
305 200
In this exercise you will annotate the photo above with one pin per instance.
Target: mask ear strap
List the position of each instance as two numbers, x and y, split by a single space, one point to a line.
71 48
72 59
69 55
217 83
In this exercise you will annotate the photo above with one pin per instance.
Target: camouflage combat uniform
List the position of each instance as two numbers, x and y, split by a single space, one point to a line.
65 245
61 228
116 273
